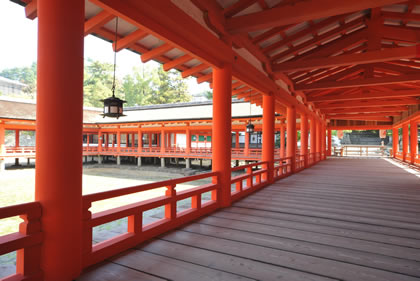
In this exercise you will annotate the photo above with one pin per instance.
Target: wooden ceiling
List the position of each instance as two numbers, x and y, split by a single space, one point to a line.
343 60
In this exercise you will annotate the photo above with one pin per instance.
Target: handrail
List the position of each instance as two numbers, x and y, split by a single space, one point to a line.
137 232
282 167
27 242
256 177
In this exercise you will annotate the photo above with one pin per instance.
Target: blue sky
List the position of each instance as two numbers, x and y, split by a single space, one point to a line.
19 45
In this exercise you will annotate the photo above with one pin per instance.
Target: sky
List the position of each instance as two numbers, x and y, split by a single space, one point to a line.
18 47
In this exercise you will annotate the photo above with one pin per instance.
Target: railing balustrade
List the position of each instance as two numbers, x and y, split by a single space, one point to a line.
27 242
254 178
137 232
282 167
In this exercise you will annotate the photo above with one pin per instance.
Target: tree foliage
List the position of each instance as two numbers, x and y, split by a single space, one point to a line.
144 86
26 75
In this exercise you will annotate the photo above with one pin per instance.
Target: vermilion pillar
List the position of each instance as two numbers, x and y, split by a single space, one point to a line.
17 140
222 116
291 136
188 141
140 141
162 141
413 141
405 141
318 139
395 139
100 141
118 140
329 147
59 122
237 139
313 138
268 135
282 139
246 148
323 139
304 137
2 147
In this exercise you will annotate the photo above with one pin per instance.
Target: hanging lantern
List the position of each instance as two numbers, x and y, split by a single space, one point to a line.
113 106
250 127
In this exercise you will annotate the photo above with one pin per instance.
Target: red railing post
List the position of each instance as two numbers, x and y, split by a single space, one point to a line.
28 259
170 209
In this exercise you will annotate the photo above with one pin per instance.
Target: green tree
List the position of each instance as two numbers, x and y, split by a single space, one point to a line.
97 85
154 86
26 75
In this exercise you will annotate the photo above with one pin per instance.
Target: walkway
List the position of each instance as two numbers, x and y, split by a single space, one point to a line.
343 219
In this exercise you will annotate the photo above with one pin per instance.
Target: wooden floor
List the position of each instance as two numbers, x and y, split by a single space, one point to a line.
343 219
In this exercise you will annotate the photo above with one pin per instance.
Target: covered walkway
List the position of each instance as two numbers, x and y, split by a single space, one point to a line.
343 219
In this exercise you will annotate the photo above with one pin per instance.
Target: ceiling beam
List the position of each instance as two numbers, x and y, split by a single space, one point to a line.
360 82
366 110
363 118
383 114
96 21
299 12
352 59
363 96
370 103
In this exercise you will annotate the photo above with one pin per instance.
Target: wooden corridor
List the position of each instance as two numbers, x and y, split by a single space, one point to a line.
343 219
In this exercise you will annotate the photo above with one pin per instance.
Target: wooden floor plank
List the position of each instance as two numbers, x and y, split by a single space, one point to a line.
221 261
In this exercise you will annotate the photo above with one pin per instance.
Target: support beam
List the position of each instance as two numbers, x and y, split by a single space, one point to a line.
268 135
352 59
97 21
59 120
129 40
177 62
367 110
371 103
291 136
364 96
299 12
145 57
360 82
221 131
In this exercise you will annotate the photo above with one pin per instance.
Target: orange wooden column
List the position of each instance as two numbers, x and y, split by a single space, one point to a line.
291 136
395 139
237 139
118 140
282 139
17 140
323 140
318 138
405 141
268 135
246 148
59 114
304 137
221 130
413 140
140 139
162 141
188 141
313 138
329 146
2 147
100 141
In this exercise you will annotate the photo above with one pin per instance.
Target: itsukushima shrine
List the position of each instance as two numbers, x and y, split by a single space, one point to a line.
324 65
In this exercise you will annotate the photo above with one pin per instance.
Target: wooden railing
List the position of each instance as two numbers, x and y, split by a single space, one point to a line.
282 167
363 150
24 151
300 162
255 177
317 156
136 231
27 242
311 159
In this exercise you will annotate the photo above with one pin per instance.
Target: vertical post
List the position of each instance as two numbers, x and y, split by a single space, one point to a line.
100 136
291 136
329 147
2 148
17 140
59 120
405 141
162 141
140 142
237 139
268 136
304 138
318 139
282 138
221 131
118 140
323 139
246 148
188 141
413 141
313 139
395 140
